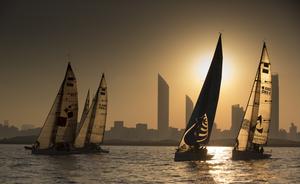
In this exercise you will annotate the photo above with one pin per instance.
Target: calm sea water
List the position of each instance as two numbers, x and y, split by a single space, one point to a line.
137 164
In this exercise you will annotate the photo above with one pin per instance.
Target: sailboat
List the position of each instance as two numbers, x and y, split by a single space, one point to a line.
198 130
91 133
58 132
253 134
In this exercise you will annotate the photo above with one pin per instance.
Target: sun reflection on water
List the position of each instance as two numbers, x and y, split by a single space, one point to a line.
223 170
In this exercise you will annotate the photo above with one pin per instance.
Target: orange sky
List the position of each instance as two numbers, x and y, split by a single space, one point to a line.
132 43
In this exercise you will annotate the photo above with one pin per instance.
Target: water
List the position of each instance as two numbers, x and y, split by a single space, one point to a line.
138 164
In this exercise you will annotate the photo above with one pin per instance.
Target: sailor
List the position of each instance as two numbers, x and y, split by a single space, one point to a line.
36 145
237 144
261 150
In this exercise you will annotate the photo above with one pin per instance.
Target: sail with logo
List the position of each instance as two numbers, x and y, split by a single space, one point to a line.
91 133
58 133
198 130
253 134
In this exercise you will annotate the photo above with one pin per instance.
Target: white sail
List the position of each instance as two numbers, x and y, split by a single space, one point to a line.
60 124
255 125
98 128
250 116
67 117
93 127
44 139
81 137
264 113
85 110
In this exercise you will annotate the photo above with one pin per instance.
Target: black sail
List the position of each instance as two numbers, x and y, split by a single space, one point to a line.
200 125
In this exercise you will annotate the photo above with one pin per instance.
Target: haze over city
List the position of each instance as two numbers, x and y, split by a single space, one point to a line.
132 43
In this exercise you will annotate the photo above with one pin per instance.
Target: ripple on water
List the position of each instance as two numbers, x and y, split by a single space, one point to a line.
136 164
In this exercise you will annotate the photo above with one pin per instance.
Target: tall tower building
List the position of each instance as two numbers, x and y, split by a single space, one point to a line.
274 125
237 114
189 106
162 108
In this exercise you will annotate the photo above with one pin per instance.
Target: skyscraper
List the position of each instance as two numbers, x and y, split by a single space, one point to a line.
162 108
189 106
237 114
274 125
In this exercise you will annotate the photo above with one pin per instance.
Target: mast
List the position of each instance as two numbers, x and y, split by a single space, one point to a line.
203 115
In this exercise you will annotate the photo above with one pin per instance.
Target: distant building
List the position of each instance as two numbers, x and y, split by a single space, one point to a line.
163 108
293 132
27 127
274 125
189 106
6 123
118 124
215 132
139 133
118 130
237 114
141 126
282 134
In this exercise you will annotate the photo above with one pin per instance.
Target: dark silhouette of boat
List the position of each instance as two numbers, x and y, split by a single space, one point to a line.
197 133
58 135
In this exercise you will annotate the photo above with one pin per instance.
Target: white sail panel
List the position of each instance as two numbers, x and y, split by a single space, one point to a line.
264 114
255 126
67 117
85 111
249 120
98 127
44 139
83 131
183 146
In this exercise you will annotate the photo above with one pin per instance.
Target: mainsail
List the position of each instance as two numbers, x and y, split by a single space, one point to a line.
199 128
257 117
93 127
61 122
85 110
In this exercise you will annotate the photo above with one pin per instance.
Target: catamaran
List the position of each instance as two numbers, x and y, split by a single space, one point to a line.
58 133
253 134
197 133
91 132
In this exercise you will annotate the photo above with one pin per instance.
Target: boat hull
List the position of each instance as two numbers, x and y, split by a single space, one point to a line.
249 155
192 155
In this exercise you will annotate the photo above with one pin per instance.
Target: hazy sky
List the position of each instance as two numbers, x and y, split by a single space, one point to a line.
133 41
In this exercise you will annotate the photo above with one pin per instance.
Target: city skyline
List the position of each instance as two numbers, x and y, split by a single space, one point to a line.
132 44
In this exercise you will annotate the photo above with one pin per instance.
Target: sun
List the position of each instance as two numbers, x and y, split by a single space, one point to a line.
202 65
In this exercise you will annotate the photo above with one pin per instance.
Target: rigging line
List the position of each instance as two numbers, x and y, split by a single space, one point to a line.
255 80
